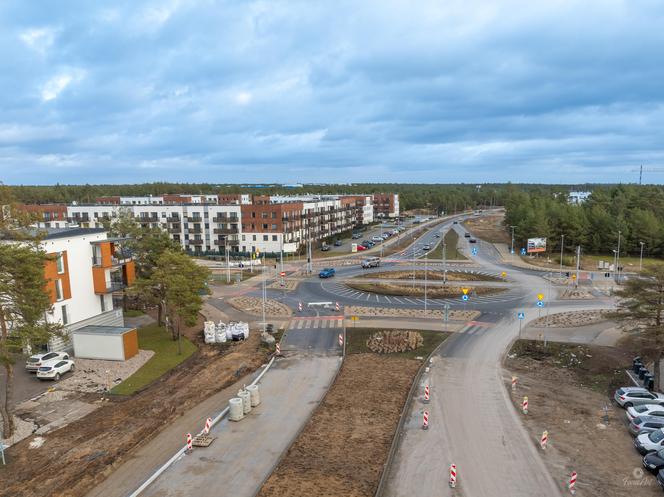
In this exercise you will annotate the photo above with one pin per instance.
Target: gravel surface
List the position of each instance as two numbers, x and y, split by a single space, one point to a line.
453 315
569 319
254 305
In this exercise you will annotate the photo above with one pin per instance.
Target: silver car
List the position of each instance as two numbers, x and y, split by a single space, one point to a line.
645 424
649 442
636 396
644 410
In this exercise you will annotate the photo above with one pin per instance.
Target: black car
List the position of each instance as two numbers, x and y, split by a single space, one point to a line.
654 461
472 240
466 235
338 243
660 479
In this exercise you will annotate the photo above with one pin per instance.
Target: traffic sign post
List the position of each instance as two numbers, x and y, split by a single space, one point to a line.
447 314
354 319
474 251
464 298
521 316
523 251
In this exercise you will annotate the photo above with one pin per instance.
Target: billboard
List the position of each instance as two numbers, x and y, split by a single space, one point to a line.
536 245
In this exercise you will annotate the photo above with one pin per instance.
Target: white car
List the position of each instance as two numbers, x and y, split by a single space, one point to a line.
376 238
54 370
649 442
34 362
644 410
635 396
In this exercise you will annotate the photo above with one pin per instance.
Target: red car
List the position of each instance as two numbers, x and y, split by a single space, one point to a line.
360 248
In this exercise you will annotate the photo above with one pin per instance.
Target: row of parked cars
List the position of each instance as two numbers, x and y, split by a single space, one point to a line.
645 414
50 365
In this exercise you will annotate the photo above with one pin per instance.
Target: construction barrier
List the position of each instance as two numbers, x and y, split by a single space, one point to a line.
514 379
453 475
544 440
208 425
426 394
299 306
572 483
278 351
341 340
425 420
190 443
337 307
524 405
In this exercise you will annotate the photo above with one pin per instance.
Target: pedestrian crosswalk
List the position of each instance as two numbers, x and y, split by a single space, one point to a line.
475 328
305 323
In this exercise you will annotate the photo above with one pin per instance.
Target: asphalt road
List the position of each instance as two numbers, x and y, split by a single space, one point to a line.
472 421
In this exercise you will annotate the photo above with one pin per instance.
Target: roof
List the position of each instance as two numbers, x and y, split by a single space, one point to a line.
111 239
93 329
53 233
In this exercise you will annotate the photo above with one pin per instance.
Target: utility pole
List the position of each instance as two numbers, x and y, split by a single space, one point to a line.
444 261
228 262
426 258
382 241
641 258
618 258
578 265
512 249
562 244
264 293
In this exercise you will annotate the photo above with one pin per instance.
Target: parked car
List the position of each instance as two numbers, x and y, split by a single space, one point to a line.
371 262
338 243
649 442
34 362
376 238
660 479
644 410
368 243
635 396
361 247
466 235
472 240
325 248
654 461
645 424
356 236
55 369
328 272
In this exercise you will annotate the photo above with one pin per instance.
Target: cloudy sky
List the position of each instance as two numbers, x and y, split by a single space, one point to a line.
313 91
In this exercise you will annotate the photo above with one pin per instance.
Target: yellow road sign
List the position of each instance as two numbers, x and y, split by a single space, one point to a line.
354 318
503 274
465 291
574 276
540 296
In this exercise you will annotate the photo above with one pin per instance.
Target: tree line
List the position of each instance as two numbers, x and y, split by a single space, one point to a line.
637 212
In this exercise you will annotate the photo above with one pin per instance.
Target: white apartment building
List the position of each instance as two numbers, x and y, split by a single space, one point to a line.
84 269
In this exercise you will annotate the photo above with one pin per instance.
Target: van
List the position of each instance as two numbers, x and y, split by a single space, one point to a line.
371 262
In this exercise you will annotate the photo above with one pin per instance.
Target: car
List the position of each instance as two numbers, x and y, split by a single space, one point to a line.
395 232
636 396
356 236
466 235
644 410
367 243
325 248
649 442
455 222
654 461
645 424
371 262
437 235
660 479
472 240
338 243
385 236
328 272
376 238
34 362
426 247
360 247
55 369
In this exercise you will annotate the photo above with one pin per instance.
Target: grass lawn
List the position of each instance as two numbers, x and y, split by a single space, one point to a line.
133 313
164 359
357 342
451 251
588 262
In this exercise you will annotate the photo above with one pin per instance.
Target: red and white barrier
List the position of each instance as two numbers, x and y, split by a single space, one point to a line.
425 420
453 475
514 380
278 351
544 440
341 340
426 394
524 405
208 425
572 482
337 307
190 442
299 306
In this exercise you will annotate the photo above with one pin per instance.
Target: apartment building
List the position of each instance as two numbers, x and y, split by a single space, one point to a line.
47 215
386 205
84 271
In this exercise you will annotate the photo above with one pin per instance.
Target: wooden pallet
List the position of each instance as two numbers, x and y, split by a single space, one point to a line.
202 440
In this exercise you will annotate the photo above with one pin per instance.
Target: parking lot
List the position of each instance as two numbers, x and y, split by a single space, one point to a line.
368 234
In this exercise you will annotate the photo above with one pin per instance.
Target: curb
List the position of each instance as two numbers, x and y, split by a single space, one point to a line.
396 440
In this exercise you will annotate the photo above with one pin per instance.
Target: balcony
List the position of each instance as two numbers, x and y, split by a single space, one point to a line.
224 231
195 242
173 219
175 229
195 230
195 219
220 219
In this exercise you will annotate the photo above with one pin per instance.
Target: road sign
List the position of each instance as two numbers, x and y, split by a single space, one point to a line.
465 290
521 315
474 250
503 274
540 304
465 297
574 276
282 273
540 296
523 251
355 318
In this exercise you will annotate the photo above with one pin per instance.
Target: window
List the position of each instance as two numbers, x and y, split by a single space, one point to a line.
58 290
274 238
265 238
274 215
244 238
65 317
103 303
253 214
264 215
60 262
274 226
264 226
254 237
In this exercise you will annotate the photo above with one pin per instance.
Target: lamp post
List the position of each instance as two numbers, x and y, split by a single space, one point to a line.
641 258
618 257
562 244
512 248
426 258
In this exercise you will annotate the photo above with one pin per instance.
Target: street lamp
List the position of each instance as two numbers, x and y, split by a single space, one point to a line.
641 258
426 258
512 249
618 257
562 244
